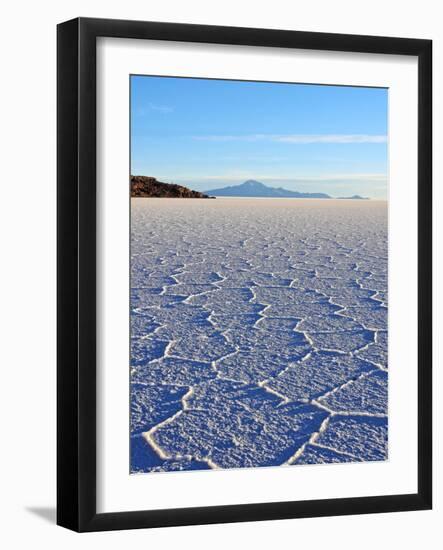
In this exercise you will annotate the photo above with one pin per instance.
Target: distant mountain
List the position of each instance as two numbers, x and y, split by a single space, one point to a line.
147 186
355 197
253 188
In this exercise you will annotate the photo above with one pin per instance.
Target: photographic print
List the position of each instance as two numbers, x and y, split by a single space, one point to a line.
259 274
231 204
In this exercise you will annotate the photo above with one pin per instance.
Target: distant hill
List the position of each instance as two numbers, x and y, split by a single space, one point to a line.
146 186
253 188
355 197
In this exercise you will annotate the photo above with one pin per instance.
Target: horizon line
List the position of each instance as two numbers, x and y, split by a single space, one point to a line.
208 191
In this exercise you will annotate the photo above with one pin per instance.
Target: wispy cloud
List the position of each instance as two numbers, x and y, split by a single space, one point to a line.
333 138
155 107
299 138
161 108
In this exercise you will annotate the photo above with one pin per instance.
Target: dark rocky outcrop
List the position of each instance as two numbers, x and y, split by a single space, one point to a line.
146 186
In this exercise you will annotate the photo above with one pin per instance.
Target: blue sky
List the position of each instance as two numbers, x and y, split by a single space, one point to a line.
213 133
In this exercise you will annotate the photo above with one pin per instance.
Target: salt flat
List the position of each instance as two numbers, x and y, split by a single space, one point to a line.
259 332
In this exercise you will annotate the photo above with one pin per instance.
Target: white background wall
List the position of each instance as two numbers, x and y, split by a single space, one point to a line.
27 299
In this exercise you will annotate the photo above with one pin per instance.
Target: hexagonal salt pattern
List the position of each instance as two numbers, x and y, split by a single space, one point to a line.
259 333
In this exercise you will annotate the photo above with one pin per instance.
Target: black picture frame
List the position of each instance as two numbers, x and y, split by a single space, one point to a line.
76 265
